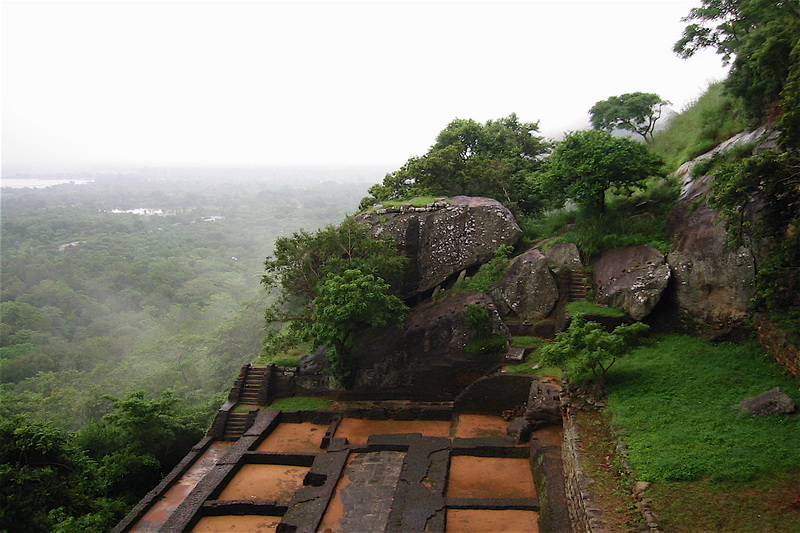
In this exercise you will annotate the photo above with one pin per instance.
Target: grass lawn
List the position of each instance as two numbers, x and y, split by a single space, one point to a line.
301 403
714 467
583 307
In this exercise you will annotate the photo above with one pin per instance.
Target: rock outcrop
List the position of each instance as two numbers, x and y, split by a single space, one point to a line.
712 282
528 289
631 278
564 255
447 239
428 359
772 402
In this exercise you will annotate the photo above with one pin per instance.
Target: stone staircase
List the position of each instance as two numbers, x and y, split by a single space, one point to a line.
254 385
577 285
236 424
249 390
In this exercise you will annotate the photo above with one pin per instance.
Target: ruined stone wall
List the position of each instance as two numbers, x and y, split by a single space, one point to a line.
777 343
584 513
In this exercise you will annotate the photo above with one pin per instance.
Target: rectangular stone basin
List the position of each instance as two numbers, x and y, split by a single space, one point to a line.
491 521
490 477
358 430
258 482
231 523
480 426
302 437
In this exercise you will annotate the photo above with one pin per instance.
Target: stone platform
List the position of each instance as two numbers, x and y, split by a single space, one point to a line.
365 470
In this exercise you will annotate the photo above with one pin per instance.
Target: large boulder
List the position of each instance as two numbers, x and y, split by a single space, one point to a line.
631 278
443 239
712 281
564 255
428 359
528 289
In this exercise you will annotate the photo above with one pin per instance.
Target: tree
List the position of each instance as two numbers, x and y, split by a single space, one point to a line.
587 351
755 36
496 159
586 164
312 270
301 262
41 469
346 304
637 112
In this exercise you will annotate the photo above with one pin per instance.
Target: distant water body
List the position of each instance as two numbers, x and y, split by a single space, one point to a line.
32 183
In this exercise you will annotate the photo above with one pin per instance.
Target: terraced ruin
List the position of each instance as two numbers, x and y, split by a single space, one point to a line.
367 466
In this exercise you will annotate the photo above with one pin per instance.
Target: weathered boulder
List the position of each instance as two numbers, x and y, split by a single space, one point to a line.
772 402
631 278
445 239
427 360
564 254
712 282
528 288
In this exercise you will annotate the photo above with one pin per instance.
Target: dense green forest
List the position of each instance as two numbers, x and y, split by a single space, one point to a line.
122 330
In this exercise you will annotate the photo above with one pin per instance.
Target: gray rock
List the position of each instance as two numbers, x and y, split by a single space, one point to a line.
442 242
528 289
712 282
772 402
314 362
564 254
631 278
427 360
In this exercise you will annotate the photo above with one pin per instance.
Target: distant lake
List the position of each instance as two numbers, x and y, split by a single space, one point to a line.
33 183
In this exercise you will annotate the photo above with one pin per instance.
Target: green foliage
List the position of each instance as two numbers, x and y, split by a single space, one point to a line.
582 307
489 274
140 441
637 112
477 317
756 36
301 403
344 305
496 159
485 341
713 118
418 201
628 220
676 402
301 262
586 164
774 178
587 351
40 469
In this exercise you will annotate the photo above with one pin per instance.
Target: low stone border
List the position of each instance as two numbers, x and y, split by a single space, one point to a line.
167 482
585 513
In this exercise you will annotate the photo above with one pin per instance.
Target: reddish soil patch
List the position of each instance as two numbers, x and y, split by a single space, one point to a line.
265 482
477 426
358 430
490 521
490 477
164 507
227 524
303 437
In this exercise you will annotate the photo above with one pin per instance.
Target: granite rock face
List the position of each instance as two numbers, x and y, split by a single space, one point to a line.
528 289
712 282
564 255
447 238
426 360
631 278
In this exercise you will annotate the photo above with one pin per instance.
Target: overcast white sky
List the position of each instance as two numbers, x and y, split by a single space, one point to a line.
117 83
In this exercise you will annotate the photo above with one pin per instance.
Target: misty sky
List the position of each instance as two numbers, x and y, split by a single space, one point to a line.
117 83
